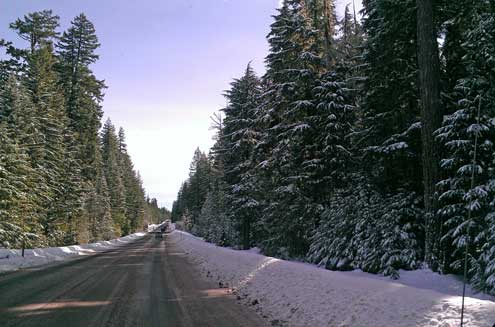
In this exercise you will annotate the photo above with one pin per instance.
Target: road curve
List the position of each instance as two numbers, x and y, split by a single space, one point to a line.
146 283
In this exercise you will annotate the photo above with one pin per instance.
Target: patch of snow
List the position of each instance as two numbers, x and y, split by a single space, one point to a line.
254 250
299 294
11 259
429 280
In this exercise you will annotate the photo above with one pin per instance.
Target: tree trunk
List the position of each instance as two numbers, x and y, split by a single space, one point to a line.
329 30
431 116
246 232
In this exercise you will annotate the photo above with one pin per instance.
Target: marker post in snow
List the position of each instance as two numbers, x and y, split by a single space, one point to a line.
470 211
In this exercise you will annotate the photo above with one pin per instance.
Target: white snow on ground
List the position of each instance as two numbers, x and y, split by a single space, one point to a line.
427 279
153 227
12 259
297 294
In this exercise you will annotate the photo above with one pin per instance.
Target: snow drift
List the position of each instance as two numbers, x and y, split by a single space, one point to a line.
12 259
299 294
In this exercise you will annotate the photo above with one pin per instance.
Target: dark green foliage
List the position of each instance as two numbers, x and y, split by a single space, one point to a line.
180 205
326 162
111 167
37 28
17 204
97 206
238 140
293 67
134 192
52 158
21 191
468 188
153 214
83 91
130 210
213 221
193 193
390 106
321 159
199 184
215 225
379 233
58 184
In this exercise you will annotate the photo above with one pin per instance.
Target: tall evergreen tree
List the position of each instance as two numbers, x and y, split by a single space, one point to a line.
431 116
38 28
199 184
134 192
391 129
179 205
61 186
83 91
332 157
294 122
20 197
239 138
17 203
97 206
116 188
468 189
51 159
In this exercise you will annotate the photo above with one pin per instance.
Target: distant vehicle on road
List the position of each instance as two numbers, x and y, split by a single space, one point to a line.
162 230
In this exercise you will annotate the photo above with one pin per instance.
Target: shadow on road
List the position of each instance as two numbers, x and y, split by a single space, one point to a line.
145 283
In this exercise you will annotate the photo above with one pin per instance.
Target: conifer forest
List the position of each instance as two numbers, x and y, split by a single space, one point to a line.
64 179
367 144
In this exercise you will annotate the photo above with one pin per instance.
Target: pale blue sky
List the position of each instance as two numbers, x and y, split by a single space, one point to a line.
166 63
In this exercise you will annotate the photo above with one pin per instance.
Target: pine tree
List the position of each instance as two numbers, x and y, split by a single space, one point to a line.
63 186
179 205
199 183
134 192
349 49
216 226
293 125
336 122
17 115
83 91
97 206
17 219
152 213
377 233
454 20
52 159
37 28
238 140
327 161
116 189
468 130
391 135
321 15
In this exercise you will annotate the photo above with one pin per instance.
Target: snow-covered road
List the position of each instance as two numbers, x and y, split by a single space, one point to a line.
298 294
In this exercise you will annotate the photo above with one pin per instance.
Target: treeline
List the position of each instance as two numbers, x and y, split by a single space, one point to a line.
62 181
365 145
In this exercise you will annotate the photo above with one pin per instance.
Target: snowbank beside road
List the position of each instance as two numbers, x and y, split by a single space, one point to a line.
298 294
155 227
13 260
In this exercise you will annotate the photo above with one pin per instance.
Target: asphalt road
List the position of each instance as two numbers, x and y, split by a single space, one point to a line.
146 283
